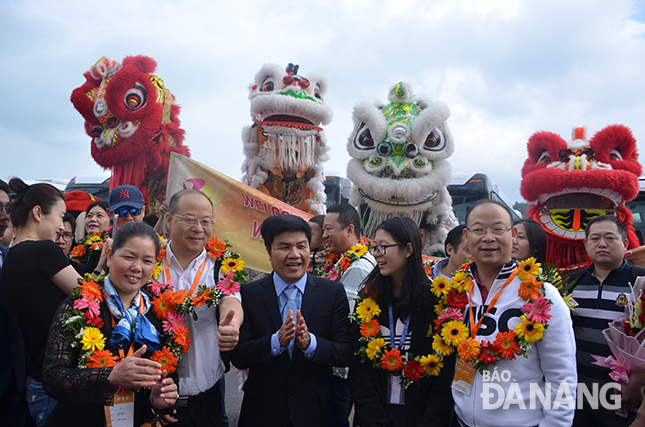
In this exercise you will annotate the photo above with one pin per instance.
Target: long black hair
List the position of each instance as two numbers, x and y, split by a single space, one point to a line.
415 292
536 236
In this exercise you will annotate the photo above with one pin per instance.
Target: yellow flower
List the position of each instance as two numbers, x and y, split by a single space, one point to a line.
373 347
234 264
440 346
359 250
96 237
431 364
93 339
440 286
461 281
527 268
529 330
571 303
438 308
367 310
157 271
453 332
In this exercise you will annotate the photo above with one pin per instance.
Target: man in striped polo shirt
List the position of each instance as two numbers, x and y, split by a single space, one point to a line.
601 292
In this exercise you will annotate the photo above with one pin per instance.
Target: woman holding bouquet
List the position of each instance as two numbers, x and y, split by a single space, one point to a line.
97 326
392 328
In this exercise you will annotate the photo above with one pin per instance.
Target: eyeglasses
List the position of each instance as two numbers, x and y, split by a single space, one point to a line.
4 208
192 220
481 232
66 236
124 210
380 250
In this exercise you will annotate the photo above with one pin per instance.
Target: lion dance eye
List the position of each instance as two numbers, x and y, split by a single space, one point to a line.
545 157
135 97
615 155
363 139
385 148
435 140
267 87
411 150
317 94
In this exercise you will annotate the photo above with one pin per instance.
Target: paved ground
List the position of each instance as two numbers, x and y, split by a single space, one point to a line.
233 396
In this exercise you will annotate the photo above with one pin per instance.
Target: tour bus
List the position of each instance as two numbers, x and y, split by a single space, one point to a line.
466 189
337 189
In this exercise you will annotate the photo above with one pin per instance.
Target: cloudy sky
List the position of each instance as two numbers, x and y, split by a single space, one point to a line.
505 68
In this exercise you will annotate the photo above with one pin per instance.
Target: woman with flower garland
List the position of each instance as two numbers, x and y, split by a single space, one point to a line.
37 277
102 340
392 329
90 254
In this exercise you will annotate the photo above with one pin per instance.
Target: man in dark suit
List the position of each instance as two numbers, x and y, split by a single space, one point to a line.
295 329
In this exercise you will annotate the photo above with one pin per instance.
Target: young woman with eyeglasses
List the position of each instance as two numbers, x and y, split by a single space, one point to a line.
401 289
37 277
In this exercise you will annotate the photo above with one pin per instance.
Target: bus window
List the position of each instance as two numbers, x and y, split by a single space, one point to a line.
466 190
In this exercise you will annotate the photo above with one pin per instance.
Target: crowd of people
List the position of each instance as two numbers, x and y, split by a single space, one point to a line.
343 330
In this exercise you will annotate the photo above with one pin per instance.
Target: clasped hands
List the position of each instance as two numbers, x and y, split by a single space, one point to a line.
297 329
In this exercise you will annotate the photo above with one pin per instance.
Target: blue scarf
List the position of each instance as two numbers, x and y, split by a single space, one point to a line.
131 323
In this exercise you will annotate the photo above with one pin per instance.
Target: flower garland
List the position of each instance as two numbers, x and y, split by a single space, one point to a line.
455 334
380 355
335 265
427 266
90 245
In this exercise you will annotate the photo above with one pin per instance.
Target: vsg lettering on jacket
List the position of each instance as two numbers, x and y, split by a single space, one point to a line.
490 324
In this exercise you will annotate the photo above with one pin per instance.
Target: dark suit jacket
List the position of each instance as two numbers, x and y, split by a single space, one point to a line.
302 389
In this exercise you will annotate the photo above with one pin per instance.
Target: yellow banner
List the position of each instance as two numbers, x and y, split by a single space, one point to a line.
238 209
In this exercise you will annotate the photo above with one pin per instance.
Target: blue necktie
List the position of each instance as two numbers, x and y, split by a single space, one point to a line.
290 292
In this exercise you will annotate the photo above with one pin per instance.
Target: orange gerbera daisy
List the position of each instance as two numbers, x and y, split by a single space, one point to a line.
529 288
215 247
101 359
78 251
468 349
344 263
370 329
507 346
167 359
182 338
177 297
90 289
162 305
331 257
162 254
201 298
97 245
392 360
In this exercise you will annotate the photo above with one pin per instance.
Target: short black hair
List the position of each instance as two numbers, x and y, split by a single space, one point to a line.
622 228
454 238
133 229
4 187
176 198
318 219
491 202
278 224
72 221
347 214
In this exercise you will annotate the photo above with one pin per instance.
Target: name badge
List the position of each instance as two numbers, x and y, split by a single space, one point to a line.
395 391
122 413
463 379
183 367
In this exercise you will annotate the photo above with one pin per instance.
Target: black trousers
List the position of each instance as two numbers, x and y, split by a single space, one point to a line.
204 409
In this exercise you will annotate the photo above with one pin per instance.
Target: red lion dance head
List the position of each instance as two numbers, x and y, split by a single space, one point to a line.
133 122
571 183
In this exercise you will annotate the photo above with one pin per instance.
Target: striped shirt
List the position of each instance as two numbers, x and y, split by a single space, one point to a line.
599 305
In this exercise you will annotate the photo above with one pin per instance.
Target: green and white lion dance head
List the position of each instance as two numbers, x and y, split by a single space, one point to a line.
399 165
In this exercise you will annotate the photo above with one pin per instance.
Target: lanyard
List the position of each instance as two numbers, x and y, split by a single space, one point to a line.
131 349
475 327
195 282
393 327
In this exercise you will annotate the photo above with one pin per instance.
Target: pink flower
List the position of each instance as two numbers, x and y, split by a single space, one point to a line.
450 314
156 288
85 303
538 310
333 275
227 285
173 320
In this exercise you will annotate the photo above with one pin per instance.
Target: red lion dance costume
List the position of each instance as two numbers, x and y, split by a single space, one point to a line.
572 183
133 122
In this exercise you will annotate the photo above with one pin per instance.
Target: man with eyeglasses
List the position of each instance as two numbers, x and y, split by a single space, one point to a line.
127 202
509 392
187 265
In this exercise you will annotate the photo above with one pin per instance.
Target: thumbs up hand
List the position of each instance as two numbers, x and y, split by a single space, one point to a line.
135 371
228 333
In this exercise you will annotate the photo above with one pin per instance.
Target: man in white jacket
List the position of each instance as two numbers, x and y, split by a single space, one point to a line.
539 389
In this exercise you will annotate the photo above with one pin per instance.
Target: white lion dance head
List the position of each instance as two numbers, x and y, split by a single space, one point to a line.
285 147
399 165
